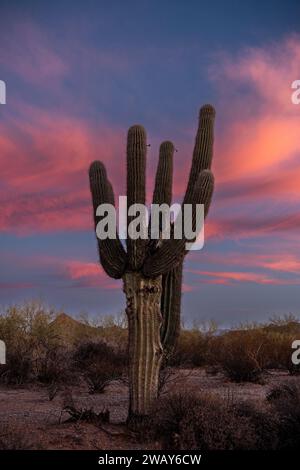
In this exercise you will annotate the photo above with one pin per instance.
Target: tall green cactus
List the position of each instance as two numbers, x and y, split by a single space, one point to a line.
152 270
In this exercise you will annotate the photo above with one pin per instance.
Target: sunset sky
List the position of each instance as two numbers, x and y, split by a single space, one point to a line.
79 73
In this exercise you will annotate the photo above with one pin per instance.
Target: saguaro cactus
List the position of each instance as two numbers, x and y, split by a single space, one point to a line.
152 270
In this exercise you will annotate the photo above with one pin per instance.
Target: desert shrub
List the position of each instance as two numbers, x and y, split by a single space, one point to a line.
100 364
171 379
262 347
165 375
77 413
188 421
53 365
99 375
18 368
283 350
275 338
14 436
240 353
285 401
27 332
276 351
264 422
194 348
111 329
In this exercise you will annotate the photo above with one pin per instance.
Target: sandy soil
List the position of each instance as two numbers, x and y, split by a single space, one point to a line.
47 426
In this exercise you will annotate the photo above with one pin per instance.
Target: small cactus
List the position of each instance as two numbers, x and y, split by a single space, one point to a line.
152 270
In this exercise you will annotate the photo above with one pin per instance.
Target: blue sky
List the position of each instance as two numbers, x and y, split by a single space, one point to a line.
78 74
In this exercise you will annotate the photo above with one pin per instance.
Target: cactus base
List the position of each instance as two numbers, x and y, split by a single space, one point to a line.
143 311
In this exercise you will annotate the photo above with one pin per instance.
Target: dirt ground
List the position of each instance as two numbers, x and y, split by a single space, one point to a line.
46 426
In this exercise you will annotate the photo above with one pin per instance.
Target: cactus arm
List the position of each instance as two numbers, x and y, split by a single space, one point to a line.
171 308
172 251
203 148
136 188
111 252
171 281
164 175
162 193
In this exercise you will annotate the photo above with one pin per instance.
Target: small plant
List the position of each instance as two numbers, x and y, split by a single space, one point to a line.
81 414
53 365
264 422
13 436
285 402
86 414
100 364
100 375
193 348
240 357
186 420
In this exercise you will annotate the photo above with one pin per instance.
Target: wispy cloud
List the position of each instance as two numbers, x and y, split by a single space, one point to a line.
48 270
229 277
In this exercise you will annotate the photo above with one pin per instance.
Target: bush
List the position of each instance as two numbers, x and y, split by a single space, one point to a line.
53 366
100 364
241 356
14 436
188 421
205 422
194 348
264 422
285 401
260 347
18 368
28 335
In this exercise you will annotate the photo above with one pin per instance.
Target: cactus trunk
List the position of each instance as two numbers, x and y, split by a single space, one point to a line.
144 345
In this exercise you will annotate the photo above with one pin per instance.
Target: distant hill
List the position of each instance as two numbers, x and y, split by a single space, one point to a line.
72 331
291 327
285 328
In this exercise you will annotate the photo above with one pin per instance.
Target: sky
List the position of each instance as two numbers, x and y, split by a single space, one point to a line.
78 74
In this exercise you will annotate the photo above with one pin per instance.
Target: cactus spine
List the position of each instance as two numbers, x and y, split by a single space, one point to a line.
152 271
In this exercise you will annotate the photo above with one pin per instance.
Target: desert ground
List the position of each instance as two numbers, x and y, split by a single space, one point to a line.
42 423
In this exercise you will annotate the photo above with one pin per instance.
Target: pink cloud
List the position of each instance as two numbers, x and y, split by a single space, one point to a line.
55 271
223 277
78 269
44 170
45 154
257 151
86 274
261 136
286 262
269 71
